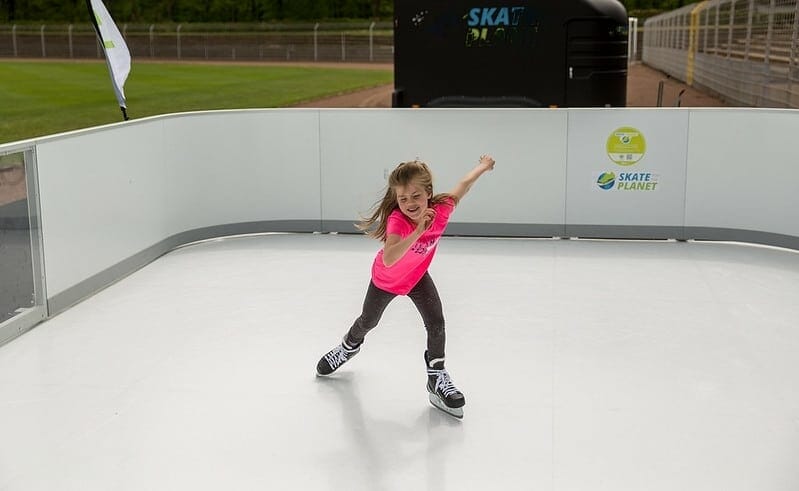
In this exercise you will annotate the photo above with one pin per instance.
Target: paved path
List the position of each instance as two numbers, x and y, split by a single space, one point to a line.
642 91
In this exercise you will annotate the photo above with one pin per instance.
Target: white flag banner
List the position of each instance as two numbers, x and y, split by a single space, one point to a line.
116 50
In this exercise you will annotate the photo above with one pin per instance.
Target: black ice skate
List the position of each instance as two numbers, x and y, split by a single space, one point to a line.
336 357
442 392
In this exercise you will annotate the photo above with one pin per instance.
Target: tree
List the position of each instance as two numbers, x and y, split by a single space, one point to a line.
8 9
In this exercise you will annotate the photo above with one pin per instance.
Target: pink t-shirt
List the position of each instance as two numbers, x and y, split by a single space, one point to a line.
402 276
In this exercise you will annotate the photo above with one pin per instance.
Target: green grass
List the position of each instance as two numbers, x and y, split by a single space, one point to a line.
43 98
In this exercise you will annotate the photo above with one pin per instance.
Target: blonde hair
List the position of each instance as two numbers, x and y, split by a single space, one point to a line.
414 172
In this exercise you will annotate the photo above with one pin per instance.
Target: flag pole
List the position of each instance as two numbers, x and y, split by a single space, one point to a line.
117 55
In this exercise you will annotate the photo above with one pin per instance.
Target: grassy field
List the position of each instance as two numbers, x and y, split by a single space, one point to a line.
43 98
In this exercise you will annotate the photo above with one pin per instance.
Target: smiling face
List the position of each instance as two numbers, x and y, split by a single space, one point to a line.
412 200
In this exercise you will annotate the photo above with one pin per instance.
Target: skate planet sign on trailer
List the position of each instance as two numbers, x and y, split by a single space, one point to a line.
521 53
501 26
625 168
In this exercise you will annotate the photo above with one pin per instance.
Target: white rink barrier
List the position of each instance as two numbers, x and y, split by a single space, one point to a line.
115 197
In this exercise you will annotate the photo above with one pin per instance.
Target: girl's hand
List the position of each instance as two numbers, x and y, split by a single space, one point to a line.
487 161
426 220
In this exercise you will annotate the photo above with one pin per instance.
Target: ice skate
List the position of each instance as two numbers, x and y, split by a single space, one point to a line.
336 357
442 392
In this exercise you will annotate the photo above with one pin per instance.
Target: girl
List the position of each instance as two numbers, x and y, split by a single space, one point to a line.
409 221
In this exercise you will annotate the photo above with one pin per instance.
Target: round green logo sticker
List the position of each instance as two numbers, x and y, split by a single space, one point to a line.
626 146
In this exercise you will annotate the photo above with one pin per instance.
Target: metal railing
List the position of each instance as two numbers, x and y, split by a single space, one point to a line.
743 50
369 42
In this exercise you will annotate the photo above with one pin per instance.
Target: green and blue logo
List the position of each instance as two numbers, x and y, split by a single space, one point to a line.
606 180
628 181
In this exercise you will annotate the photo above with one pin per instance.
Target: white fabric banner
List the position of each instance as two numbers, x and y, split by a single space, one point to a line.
116 50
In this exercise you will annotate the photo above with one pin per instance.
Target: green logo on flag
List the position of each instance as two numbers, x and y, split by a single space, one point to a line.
108 44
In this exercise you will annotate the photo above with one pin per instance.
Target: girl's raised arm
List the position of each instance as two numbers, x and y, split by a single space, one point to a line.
486 164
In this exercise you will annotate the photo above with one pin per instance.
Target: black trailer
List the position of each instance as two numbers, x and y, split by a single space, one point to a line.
500 53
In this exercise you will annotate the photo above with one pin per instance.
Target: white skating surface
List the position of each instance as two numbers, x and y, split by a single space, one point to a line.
587 365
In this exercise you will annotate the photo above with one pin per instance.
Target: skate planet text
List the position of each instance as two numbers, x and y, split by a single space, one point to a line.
500 26
637 181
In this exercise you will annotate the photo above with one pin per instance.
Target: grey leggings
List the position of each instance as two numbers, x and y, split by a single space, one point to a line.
424 296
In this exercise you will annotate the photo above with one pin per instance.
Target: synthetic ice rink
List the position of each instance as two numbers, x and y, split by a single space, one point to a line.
587 365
